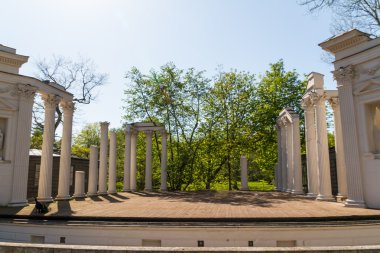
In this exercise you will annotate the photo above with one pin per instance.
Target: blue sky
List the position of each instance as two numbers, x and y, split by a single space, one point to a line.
119 34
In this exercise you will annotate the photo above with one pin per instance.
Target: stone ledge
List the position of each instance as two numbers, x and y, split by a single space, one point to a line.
57 248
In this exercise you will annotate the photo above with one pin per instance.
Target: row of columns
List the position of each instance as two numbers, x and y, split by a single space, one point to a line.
45 179
130 155
288 170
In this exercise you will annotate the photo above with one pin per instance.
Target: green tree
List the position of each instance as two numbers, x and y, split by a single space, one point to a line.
89 135
172 97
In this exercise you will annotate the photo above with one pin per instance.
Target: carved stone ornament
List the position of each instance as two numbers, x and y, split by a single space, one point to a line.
344 75
372 71
306 104
316 98
104 124
51 100
334 102
24 90
68 105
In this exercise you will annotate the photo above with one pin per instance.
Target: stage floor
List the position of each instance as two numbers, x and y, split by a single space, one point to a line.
188 205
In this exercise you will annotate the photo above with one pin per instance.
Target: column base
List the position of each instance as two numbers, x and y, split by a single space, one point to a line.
16 204
79 196
244 189
340 198
325 198
354 203
102 193
299 192
59 198
163 190
311 195
148 190
112 192
45 200
92 194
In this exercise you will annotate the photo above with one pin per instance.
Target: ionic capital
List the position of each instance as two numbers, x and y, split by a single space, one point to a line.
344 75
67 106
104 124
334 103
317 98
50 100
25 91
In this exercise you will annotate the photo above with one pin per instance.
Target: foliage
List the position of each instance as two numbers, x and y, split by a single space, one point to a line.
89 135
212 123
77 77
360 14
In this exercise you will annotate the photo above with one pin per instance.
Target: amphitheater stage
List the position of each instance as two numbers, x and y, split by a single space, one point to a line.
190 219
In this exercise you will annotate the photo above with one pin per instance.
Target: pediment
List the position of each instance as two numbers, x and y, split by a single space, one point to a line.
369 86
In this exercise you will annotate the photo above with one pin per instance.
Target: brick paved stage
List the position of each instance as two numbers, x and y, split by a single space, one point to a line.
196 205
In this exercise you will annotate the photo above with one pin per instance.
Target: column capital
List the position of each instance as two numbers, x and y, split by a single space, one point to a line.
317 98
104 124
163 133
148 132
67 106
24 90
51 100
334 102
344 75
127 129
306 103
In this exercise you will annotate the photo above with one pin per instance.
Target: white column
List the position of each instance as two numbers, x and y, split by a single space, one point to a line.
289 155
112 164
311 152
339 152
297 165
344 77
133 159
148 161
45 180
164 186
284 158
127 159
278 176
323 160
103 158
79 185
26 95
65 159
244 173
93 172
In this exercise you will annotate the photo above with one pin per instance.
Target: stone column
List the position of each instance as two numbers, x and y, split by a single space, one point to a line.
284 158
45 180
93 172
323 161
26 95
344 77
289 154
148 161
127 159
339 152
164 158
102 190
79 185
244 173
133 159
278 176
297 165
311 145
112 164
65 159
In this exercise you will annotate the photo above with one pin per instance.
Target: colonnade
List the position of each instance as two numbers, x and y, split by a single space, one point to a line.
97 184
51 101
288 171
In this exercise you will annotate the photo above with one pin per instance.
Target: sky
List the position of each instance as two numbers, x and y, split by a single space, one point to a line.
245 35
